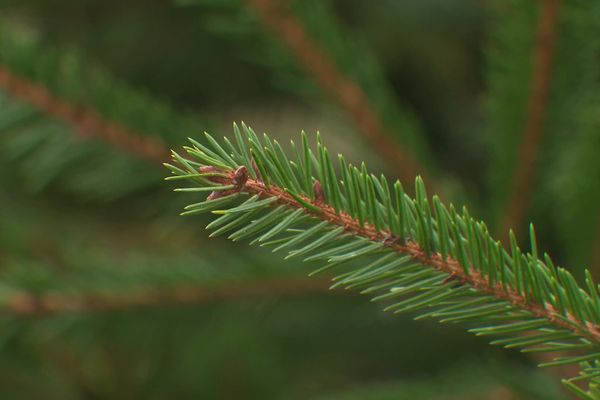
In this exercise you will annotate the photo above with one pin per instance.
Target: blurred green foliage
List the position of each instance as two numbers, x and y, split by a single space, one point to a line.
79 217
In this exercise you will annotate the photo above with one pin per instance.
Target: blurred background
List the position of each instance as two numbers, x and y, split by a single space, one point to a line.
107 293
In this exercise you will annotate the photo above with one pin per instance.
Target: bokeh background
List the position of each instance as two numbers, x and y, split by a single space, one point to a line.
106 293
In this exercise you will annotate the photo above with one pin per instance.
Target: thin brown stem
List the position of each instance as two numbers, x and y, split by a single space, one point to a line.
450 266
85 121
335 83
533 131
27 304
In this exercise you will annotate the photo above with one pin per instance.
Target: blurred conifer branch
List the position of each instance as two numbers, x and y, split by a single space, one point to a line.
278 18
344 69
38 305
448 261
91 109
570 116
534 129
412 255
86 122
51 100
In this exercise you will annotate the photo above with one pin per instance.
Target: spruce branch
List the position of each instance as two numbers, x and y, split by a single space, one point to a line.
571 117
50 100
533 130
414 254
89 111
28 304
85 121
278 18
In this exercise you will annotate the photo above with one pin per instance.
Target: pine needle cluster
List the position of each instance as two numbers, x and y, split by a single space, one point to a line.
414 254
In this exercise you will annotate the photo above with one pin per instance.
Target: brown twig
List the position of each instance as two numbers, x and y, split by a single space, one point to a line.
342 89
88 123
533 132
450 266
85 121
27 304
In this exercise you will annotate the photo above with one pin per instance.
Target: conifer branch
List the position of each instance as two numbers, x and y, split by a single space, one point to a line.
320 210
89 123
334 82
37 305
51 100
533 131
85 121
408 253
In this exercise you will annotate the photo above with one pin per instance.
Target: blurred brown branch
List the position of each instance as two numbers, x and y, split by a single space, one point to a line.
345 91
533 132
29 304
85 121
88 123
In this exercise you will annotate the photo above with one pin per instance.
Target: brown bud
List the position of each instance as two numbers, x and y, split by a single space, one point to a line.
240 176
391 240
318 192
